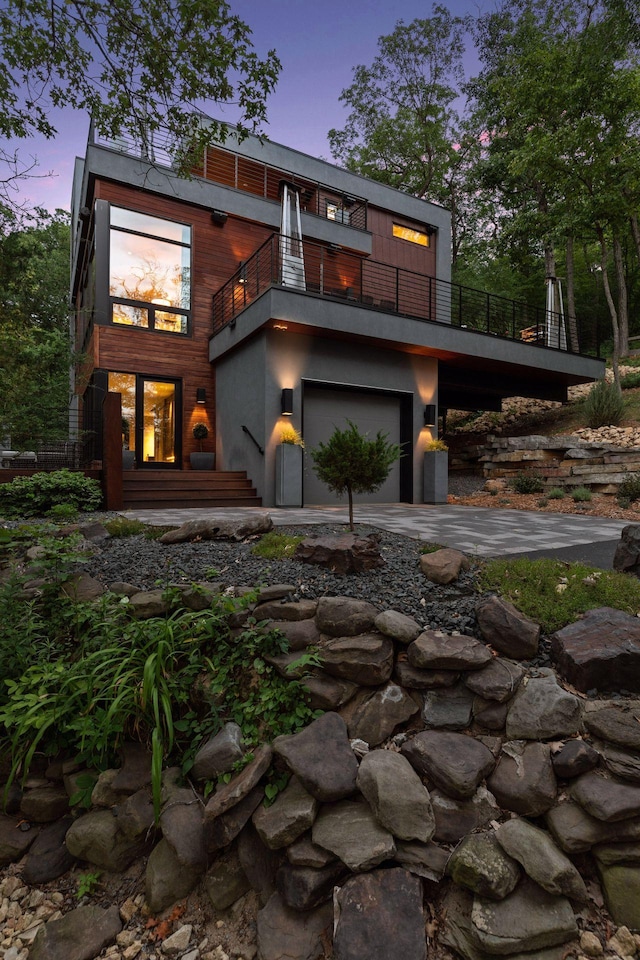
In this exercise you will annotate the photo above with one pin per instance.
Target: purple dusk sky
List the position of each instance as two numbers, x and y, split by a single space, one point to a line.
318 45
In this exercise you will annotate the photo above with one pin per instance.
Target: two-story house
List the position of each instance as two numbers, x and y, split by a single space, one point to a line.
274 287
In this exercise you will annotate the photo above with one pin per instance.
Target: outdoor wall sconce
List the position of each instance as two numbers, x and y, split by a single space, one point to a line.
430 415
219 217
201 395
286 401
242 278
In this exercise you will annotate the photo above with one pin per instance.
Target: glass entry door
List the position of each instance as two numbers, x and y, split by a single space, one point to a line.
150 418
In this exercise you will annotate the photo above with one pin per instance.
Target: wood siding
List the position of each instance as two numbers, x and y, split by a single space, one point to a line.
396 252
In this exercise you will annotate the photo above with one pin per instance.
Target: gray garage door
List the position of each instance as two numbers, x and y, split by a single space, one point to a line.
324 410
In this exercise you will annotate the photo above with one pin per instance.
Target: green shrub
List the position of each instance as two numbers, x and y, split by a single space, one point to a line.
629 489
581 494
35 495
276 546
557 493
604 406
125 527
543 502
63 512
630 380
526 483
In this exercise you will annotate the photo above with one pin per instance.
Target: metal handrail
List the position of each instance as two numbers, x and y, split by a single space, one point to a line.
338 275
251 436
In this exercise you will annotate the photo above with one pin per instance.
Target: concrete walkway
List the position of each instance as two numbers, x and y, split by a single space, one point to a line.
477 531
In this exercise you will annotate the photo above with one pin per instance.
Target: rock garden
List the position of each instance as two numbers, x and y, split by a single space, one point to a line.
209 755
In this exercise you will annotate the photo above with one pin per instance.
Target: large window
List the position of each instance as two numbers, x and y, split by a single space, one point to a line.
413 236
149 271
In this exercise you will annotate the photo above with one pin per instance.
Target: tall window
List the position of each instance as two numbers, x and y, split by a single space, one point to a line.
149 271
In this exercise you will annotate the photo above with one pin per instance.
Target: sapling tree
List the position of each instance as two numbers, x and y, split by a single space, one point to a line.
350 462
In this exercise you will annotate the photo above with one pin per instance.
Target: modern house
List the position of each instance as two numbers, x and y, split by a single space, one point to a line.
272 287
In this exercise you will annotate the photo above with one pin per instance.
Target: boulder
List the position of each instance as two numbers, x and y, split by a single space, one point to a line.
499 680
292 813
45 804
226 881
321 757
574 757
426 860
48 857
576 831
345 617
621 888
135 771
413 678
166 879
380 915
398 626
213 529
149 603
443 566
605 798
219 753
14 840
80 935
449 708
135 815
395 793
433 650
283 932
305 853
480 864
219 831
366 659
350 831
95 837
456 818
229 794
490 713
260 864
621 763
83 588
506 629
523 779
303 888
542 710
291 611
327 692
456 764
541 859
182 825
300 633
376 715
528 919
346 553
600 651
617 723
627 556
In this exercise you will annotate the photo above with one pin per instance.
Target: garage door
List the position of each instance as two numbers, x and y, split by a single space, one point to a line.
326 410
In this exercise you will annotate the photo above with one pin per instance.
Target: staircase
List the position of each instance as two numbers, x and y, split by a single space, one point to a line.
176 489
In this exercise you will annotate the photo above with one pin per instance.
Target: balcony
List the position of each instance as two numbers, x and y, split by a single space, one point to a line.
335 275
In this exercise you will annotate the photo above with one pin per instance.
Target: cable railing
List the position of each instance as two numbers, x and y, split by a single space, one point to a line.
333 273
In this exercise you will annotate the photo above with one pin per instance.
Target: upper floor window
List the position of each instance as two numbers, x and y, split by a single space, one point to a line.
149 271
413 236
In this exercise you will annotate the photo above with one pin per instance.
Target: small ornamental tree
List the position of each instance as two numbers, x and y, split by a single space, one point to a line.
351 462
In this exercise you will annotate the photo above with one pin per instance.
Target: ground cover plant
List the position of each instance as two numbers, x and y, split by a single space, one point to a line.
37 495
275 546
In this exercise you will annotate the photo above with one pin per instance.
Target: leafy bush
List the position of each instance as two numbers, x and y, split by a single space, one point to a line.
36 495
630 380
63 513
557 493
581 494
526 483
629 489
604 406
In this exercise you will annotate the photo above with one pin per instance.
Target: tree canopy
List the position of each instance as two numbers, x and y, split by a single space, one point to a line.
136 66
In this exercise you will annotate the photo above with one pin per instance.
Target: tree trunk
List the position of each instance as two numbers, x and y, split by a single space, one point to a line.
612 307
623 310
571 299
350 495
635 230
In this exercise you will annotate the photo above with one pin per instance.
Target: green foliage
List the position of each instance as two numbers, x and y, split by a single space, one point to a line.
63 513
603 406
526 483
629 488
430 547
543 502
350 462
36 495
436 444
581 494
276 546
200 431
125 527
630 380
87 883
555 594
557 493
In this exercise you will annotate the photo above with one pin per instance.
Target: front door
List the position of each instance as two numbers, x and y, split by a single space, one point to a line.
150 418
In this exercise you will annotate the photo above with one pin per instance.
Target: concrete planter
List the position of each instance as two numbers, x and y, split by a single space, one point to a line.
128 459
436 476
202 461
288 475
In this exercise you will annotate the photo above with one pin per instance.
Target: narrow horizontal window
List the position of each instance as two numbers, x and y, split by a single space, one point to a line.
413 236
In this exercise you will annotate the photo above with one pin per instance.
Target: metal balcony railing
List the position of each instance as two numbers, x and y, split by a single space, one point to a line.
337 275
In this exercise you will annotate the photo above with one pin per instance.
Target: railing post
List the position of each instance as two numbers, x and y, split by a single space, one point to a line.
112 451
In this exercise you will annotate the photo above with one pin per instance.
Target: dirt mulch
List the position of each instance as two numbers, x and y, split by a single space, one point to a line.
599 505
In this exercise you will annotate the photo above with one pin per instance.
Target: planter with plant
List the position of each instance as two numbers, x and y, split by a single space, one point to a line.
289 468
436 472
202 460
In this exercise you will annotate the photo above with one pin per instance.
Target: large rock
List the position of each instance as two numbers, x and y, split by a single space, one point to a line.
576 831
182 824
259 863
398 626
45 804
148 603
285 933
426 860
226 881
83 588
80 935
95 837
621 763
14 842
523 781
212 529
300 633
48 857
621 888
167 880
305 853
617 723
366 659
345 617
499 680
627 556
135 771
346 553
455 763
380 915
219 753
433 650
541 859
449 708
601 651
542 710
606 799
303 888
443 566
456 818
135 815
480 864
528 919
327 692
321 757
506 629
374 716
221 830
413 678
292 611
396 795
292 813
573 758
229 794
350 831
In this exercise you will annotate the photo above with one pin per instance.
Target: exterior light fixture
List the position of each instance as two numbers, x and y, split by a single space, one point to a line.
286 401
280 326
430 417
219 217
201 395
242 278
